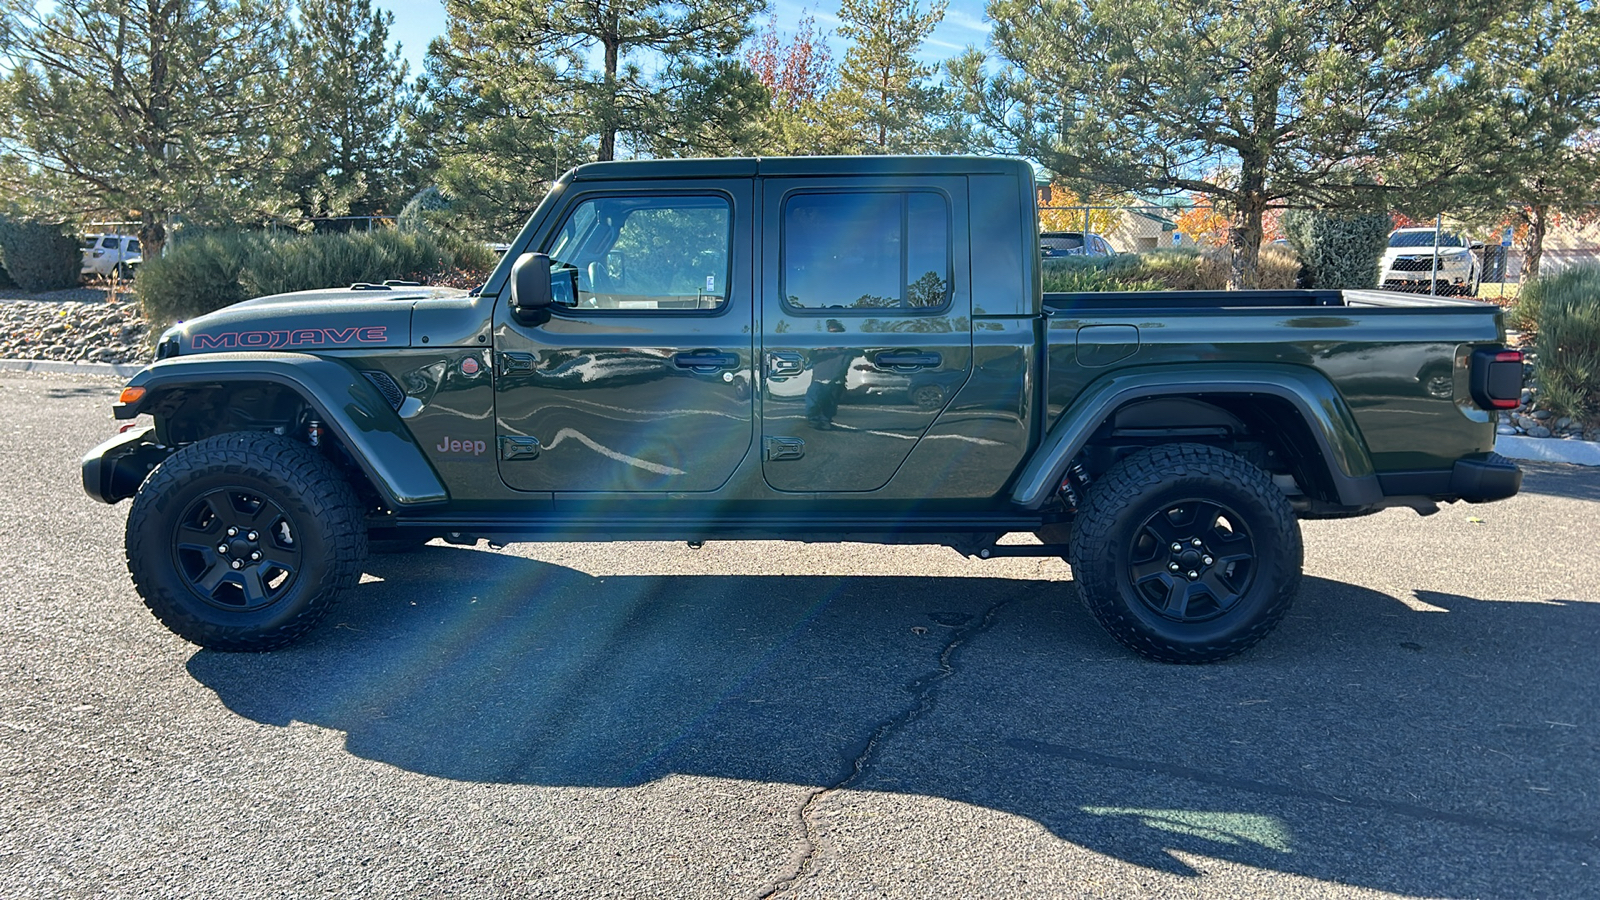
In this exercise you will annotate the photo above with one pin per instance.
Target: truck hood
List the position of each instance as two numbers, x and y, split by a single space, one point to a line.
364 316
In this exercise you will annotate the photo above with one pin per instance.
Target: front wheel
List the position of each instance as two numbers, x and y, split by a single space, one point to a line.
244 541
1186 553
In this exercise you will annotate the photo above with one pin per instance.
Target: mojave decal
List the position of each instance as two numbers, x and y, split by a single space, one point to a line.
293 337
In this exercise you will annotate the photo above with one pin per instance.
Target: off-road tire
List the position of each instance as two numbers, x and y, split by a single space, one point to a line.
1149 491
319 512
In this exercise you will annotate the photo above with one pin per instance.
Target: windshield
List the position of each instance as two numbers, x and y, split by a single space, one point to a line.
1424 239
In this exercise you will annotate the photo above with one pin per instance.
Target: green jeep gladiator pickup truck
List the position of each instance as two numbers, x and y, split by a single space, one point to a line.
820 349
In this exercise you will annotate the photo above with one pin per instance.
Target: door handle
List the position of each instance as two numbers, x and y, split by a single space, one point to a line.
706 360
905 361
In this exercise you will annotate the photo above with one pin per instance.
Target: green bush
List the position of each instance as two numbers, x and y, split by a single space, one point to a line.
195 274
1339 250
1567 364
1165 270
1523 315
39 257
302 263
204 272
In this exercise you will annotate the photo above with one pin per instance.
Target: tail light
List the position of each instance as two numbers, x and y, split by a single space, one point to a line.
1496 378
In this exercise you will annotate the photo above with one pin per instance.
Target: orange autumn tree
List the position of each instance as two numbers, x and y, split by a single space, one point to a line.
1061 208
1207 225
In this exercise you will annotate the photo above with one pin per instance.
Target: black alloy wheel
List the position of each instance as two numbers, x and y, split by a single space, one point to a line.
244 541
236 550
1191 562
1186 553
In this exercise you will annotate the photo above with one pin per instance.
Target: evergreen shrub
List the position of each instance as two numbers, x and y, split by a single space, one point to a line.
1339 250
204 272
1567 361
39 257
1166 270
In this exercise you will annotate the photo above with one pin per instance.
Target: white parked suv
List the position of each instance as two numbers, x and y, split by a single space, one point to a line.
1408 264
105 253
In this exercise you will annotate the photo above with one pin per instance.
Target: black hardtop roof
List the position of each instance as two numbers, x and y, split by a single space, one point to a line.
750 166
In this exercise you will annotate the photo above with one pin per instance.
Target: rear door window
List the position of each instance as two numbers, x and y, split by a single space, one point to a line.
865 251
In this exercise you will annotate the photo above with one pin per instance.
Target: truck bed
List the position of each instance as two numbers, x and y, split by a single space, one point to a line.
1397 360
1114 300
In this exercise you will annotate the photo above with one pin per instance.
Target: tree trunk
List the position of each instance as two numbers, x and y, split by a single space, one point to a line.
1244 236
1538 226
152 233
1244 239
608 123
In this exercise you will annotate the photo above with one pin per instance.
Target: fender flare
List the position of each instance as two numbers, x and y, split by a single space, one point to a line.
1321 407
346 402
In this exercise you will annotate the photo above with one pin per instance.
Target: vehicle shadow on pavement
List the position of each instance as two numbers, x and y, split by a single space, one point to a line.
1443 745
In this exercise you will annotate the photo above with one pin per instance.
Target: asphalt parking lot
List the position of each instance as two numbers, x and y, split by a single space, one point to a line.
648 720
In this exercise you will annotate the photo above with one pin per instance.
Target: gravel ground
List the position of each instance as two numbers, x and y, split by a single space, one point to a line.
647 720
76 325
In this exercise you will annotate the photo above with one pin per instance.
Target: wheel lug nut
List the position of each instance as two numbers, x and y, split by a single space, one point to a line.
223 549
1206 560
255 555
1195 542
233 532
1176 547
1194 574
1173 566
238 564
251 536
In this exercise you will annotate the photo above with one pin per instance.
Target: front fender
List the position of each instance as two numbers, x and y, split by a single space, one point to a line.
1317 400
346 402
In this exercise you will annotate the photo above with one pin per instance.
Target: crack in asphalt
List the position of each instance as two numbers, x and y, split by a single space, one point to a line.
924 689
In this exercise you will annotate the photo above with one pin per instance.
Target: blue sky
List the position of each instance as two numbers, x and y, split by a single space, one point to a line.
416 22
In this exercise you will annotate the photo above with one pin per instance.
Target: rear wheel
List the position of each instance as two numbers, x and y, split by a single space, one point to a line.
1186 553
244 541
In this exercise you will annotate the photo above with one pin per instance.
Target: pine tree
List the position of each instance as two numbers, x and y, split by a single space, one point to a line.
1287 101
516 95
352 89
887 100
1544 119
149 107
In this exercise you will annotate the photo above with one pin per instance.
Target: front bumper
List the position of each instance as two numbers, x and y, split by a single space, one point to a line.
1419 270
114 470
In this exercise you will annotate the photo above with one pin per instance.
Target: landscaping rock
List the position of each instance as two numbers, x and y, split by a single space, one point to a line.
1539 431
80 325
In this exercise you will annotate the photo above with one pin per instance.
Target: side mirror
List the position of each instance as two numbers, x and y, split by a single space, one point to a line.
530 284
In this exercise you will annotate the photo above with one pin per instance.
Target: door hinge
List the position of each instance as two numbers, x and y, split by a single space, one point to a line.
782 448
783 364
516 363
519 447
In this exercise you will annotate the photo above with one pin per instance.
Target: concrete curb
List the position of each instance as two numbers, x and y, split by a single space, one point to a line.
1583 453
59 367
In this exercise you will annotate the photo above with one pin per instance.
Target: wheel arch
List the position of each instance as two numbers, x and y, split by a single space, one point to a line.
1311 417
346 403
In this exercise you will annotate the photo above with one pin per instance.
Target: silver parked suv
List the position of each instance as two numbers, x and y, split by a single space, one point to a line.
107 253
1408 264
